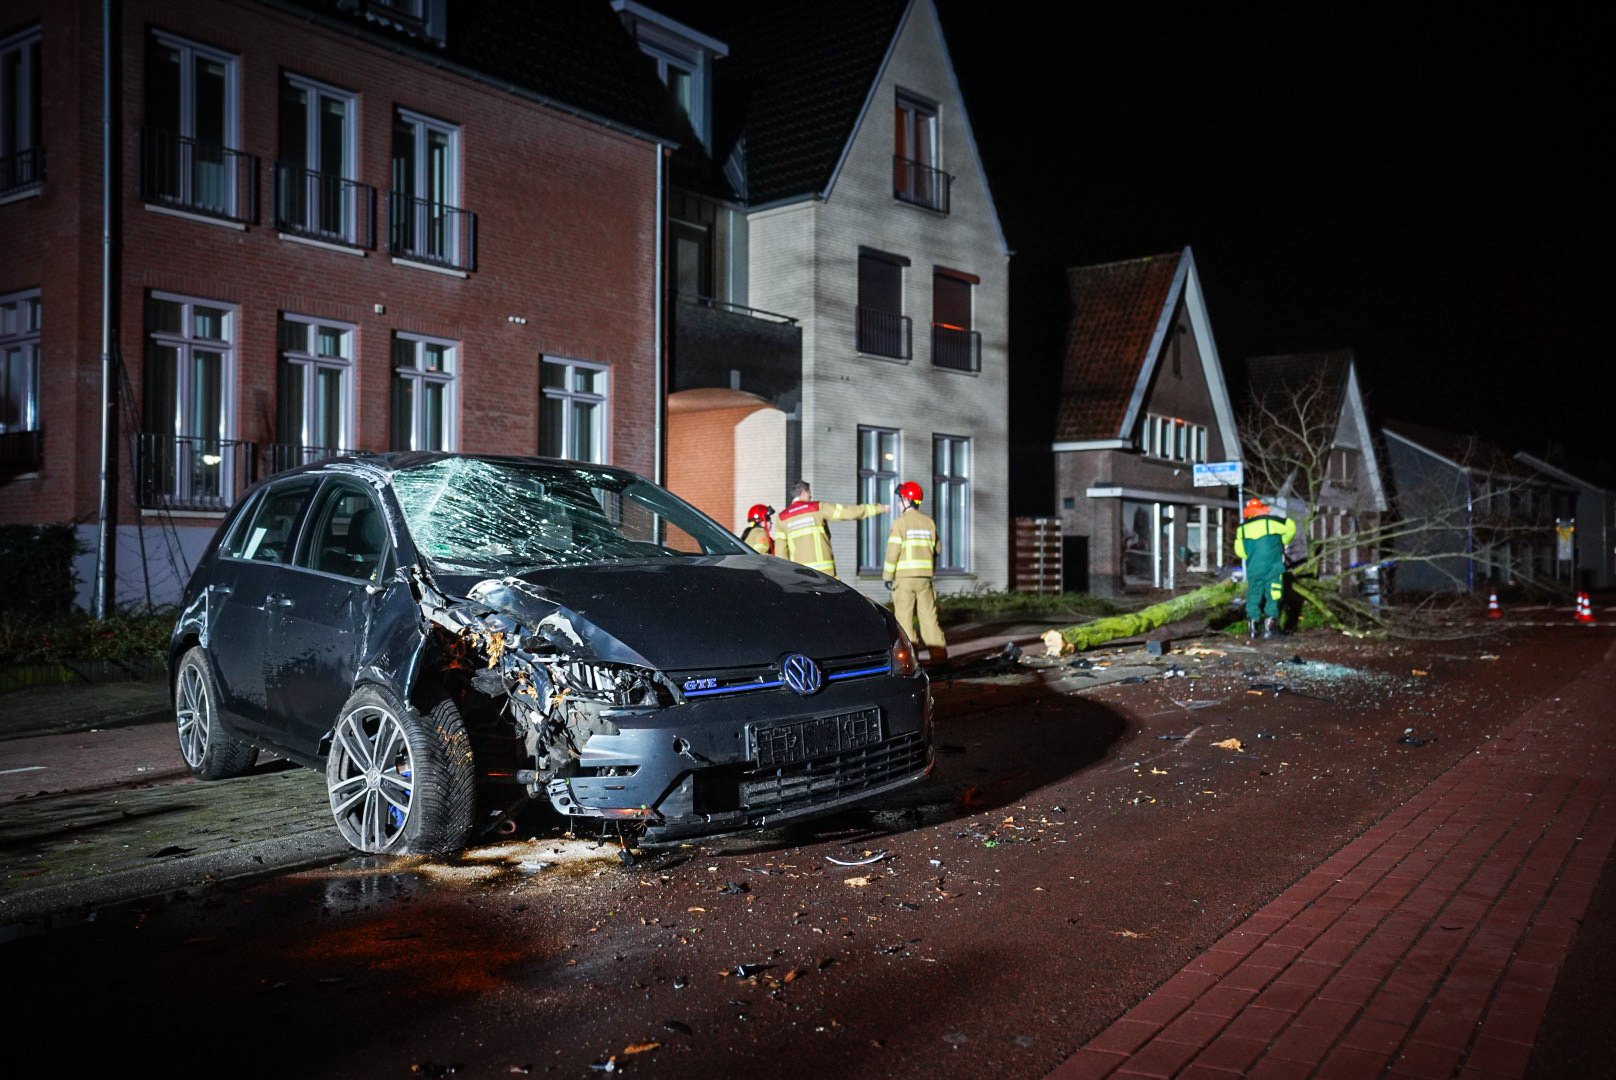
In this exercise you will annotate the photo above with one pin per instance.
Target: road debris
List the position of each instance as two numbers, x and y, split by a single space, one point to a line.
856 882
870 857
1408 738
1054 644
678 1027
1230 744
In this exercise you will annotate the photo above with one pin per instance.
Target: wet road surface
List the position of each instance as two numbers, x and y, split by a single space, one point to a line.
1075 849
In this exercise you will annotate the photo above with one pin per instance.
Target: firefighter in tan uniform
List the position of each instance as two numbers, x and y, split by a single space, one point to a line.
805 527
911 561
757 535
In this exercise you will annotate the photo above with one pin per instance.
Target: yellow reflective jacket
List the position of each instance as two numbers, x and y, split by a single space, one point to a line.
758 539
805 531
911 546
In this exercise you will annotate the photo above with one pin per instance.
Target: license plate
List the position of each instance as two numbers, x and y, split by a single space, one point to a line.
800 740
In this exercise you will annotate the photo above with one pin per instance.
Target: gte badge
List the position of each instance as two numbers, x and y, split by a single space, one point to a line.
802 674
700 684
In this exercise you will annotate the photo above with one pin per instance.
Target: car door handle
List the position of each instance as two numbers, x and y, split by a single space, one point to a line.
221 590
276 599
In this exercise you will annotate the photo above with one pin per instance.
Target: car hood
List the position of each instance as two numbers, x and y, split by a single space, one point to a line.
690 613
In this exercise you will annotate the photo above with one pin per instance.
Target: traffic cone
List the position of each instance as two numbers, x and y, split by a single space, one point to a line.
1585 610
1493 610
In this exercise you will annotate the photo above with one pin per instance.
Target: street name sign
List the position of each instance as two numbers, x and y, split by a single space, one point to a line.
1219 474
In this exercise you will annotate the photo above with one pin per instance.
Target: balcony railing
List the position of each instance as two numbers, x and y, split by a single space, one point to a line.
884 333
191 472
284 456
23 170
324 206
431 232
198 177
917 183
21 450
955 348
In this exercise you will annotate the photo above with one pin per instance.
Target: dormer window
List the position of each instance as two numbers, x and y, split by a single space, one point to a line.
683 61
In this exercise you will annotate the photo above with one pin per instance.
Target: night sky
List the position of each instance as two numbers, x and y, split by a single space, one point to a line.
1421 190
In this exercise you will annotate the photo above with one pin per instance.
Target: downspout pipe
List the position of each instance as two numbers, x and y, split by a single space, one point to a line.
106 570
658 346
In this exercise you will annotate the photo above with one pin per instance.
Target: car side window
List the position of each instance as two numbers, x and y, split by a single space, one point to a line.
268 535
348 536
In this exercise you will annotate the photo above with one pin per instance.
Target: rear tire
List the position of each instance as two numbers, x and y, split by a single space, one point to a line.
401 783
210 752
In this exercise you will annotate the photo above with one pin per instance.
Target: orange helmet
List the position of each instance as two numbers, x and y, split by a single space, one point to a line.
1255 508
911 491
759 514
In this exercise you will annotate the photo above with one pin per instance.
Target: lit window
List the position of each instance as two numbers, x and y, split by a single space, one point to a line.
572 410
317 193
316 391
187 155
1172 439
878 463
188 456
954 344
424 374
951 501
425 220
19 362
22 155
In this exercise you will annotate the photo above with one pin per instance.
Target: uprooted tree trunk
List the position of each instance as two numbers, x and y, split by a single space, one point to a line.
1113 627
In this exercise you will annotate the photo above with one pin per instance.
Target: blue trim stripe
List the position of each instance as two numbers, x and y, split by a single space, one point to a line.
734 689
882 670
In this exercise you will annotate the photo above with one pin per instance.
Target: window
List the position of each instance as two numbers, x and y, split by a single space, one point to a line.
188 458
424 218
316 194
692 260
268 529
572 410
22 157
916 177
883 328
954 344
316 392
878 465
348 538
1173 439
191 124
424 373
19 362
951 500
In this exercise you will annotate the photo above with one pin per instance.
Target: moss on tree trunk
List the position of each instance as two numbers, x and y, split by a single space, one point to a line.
1112 627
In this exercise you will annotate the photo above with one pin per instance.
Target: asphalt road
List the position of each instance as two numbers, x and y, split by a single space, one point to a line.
1077 846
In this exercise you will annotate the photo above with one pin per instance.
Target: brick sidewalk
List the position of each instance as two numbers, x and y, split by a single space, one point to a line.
1427 948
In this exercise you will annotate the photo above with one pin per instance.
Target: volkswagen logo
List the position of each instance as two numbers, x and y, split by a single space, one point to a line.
802 674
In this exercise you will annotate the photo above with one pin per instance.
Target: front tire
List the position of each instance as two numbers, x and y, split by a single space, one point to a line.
401 783
210 752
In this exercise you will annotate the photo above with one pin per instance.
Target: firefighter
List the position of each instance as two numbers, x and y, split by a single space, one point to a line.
756 535
805 527
1261 541
911 561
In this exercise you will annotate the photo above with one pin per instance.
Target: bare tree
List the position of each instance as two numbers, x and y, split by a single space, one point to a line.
1445 522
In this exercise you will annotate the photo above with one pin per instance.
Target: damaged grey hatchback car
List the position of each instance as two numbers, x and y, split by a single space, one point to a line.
446 636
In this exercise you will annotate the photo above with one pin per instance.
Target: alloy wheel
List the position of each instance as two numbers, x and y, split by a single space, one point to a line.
372 779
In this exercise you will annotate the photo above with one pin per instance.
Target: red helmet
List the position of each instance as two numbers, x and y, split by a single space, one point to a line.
911 491
1255 508
759 514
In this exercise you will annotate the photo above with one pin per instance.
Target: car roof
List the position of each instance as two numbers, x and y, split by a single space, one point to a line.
385 464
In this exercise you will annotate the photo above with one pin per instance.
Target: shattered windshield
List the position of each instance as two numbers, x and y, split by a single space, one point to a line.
475 516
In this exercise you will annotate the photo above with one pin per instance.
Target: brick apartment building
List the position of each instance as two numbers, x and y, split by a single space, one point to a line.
339 225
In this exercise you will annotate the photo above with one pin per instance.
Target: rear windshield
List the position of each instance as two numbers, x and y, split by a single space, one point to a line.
473 516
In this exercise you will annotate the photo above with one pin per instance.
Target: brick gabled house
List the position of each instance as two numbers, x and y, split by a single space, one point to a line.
1318 393
1143 399
340 225
846 195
